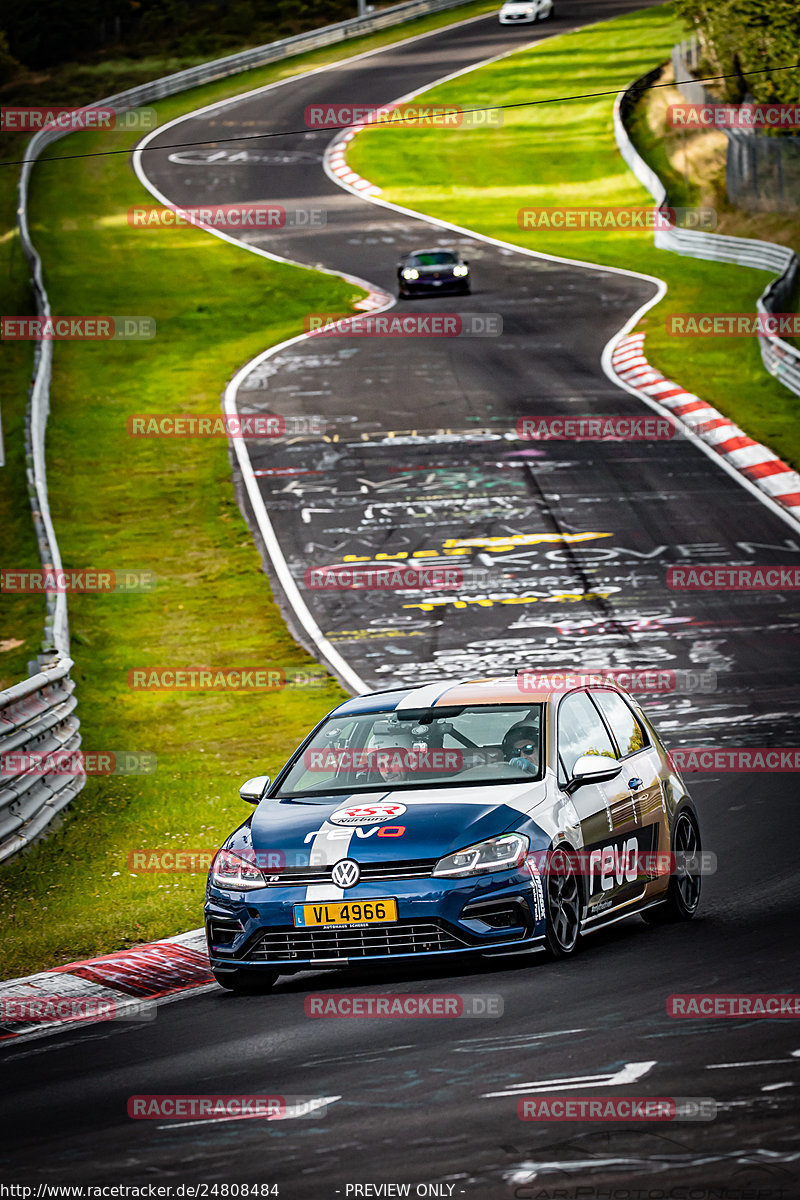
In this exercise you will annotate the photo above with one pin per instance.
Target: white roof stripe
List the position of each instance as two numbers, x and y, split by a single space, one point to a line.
425 696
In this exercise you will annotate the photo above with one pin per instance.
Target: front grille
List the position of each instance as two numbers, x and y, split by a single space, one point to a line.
285 945
370 872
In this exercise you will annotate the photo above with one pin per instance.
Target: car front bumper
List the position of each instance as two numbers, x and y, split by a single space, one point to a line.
255 930
449 284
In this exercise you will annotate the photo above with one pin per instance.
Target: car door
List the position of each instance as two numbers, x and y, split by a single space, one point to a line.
643 812
582 730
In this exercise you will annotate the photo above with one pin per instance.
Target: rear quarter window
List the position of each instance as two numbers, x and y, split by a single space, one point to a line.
628 731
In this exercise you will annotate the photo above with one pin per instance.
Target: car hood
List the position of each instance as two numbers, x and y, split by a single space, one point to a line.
394 824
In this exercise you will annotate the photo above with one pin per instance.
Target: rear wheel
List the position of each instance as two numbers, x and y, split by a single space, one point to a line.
246 981
562 904
683 893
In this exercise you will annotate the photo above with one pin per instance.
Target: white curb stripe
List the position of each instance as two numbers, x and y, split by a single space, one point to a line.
781 482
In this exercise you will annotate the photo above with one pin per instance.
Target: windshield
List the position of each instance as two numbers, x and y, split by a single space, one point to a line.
436 747
432 258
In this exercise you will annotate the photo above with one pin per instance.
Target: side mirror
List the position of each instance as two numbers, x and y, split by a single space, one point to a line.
593 768
254 789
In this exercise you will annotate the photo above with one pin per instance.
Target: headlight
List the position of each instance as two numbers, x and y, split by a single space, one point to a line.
235 874
461 270
410 273
495 854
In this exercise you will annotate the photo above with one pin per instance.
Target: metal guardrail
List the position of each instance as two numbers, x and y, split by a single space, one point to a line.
761 173
38 715
685 57
779 358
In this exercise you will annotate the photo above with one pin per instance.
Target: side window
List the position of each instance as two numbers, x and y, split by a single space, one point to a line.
625 727
580 731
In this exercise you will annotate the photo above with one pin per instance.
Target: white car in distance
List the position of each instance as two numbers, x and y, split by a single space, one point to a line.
525 12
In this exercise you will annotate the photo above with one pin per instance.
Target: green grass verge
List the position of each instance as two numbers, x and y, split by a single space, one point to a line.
162 505
21 619
564 153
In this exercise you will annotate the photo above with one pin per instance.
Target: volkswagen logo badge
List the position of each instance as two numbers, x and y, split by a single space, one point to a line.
346 873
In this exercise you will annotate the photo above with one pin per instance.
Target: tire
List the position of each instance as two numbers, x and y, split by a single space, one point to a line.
563 905
243 982
683 893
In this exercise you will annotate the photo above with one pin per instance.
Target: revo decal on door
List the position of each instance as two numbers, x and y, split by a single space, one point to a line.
610 865
620 861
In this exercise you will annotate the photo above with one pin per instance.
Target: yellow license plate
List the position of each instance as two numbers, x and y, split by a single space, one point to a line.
347 912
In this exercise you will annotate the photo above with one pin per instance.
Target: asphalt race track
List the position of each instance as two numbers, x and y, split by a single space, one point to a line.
422 462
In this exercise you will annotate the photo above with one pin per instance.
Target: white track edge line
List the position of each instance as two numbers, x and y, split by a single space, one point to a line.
608 349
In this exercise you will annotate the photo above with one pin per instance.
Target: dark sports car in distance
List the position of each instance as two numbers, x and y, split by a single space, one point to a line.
423 272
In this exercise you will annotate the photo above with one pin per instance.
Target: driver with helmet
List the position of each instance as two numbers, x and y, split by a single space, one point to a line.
521 748
393 748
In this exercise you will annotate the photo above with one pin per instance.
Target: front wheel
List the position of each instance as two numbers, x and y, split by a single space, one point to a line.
562 905
683 893
243 982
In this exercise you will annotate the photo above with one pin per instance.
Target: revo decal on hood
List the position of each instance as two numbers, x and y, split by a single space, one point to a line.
382 831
